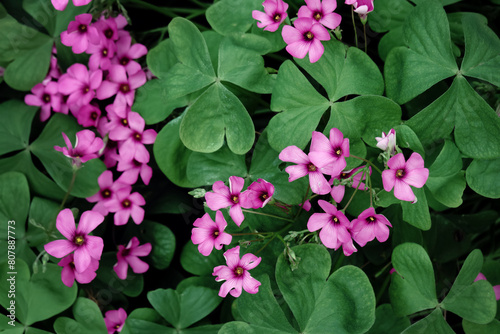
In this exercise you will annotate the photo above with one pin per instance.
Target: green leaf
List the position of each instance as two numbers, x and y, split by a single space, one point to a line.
386 322
346 303
161 58
302 286
152 104
482 50
389 14
43 288
263 310
15 126
472 328
228 17
413 287
389 41
427 35
301 105
407 138
42 221
204 169
171 155
215 114
244 328
482 177
448 162
58 166
448 190
163 241
244 67
88 319
433 323
195 263
184 309
275 38
14 200
471 267
417 214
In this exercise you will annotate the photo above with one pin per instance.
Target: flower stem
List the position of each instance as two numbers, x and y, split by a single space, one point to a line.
268 215
71 184
275 234
354 193
368 162
354 26
256 233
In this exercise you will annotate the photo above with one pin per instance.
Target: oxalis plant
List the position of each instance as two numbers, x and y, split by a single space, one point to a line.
249 167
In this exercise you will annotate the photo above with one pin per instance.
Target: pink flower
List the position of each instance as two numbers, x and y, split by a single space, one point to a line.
80 84
258 194
369 226
304 38
86 147
126 205
80 34
86 247
109 27
224 196
114 320
275 13
130 256
236 273
107 191
69 272
387 142
61 4
101 54
88 115
334 227
362 7
321 11
329 154
402 175
132 169
209 234
127 52
122 85
45 96
339 190
306 205
496 288
317 181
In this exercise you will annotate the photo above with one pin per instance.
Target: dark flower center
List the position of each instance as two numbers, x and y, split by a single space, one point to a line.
126 203
311 168
370 219
82 28
138 136
126 252
235 199
338 152
400 173
117 326
79 240
317 16
335 220
343 175
263 197
124 61
93 115
86 90
46 98
216 233
277 17
105 52
238 271
137 163
308 36
106 193
108 33
124 88
124 122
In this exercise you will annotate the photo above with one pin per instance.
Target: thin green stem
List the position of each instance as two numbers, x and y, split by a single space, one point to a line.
354 193
256 233
354 26
274 236
367 161
71 184
268 215
369 178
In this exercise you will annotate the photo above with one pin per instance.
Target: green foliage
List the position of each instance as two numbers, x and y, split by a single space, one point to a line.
88 318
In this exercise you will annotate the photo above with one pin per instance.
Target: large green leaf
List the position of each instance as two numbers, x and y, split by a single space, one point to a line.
413 287
482 177
88 319
15 126
229 16
163 241
472 328
417 214
244 328
386 322
42 222
433 323
195 263
216 114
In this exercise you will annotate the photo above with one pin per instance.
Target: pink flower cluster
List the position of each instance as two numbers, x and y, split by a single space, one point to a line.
327 157
112 76
208 234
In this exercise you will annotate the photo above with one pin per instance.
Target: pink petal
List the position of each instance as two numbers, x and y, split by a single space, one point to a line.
320 33
291 35
327 207
388 179
316 50
89 221
397 162
106 90
60 248
68 276
417 177
329 236
318 221
329 6
293 154
60 5
296 172
236 214
314 5
250 284
403 191
65 223
121 268
318 183
264 19
338 193
82 259
298 49
415 161
331 20
249 261
236 184
138 266
94 246
217 201
121 217
137 214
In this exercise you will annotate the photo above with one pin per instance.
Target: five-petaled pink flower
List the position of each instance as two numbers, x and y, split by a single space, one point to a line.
321 11
114 320
338 191
387 142
401 175
224 196
122 85
304 37
209 234
126 205
45 96
334 227
236 275
107 190
80 34
369 226
86 147
329 154
69 272
86 247
129 255
61 4
258 194
80 84
317 181
275 13
362 7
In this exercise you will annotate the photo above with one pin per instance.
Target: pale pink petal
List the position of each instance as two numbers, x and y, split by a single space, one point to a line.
403 191
291 35
296 172
94 246
60 248
331 20
60 5
138 266
293 154
397 162
318 221
388 179
137 214
250 284
217 201
236 184
89 221
121 268
82 259
329 5
318 183
236 214
316 50
320 33
65 223
121 217
298 49
416 177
